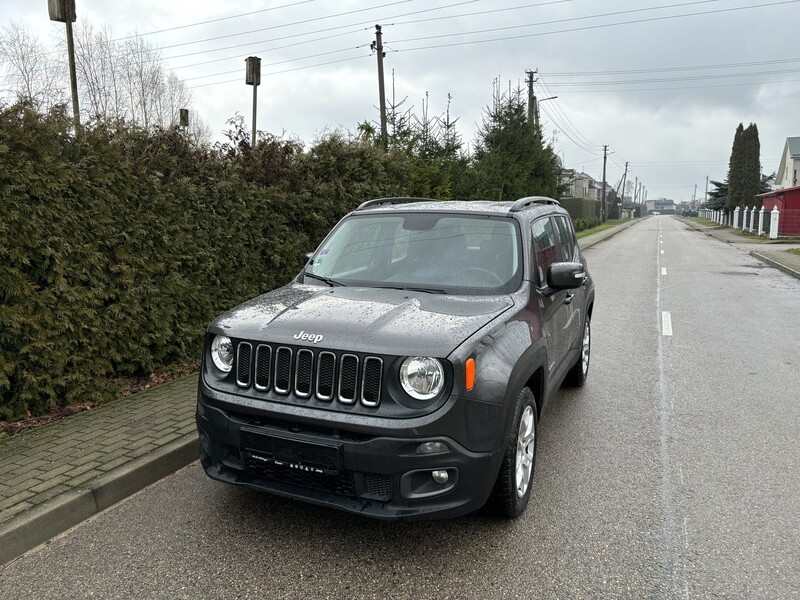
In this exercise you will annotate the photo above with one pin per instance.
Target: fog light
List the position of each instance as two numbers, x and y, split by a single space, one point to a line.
432 448
440 476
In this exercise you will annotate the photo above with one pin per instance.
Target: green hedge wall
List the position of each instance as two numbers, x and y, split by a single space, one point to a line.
118 247
581 208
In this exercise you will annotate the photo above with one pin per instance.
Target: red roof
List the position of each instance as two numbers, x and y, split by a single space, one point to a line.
776 192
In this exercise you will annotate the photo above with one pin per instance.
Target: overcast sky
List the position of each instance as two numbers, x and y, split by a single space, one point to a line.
683 75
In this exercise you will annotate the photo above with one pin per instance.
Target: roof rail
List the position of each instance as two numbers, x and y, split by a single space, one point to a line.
389 201
526 202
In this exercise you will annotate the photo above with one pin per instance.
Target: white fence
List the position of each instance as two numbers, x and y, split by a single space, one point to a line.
761 222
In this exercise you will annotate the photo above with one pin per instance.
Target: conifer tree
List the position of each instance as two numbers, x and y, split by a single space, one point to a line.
735 170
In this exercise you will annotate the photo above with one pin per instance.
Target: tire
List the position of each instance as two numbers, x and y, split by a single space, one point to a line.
580 370
515 480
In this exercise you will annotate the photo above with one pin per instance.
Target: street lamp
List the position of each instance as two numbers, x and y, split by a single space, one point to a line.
536 104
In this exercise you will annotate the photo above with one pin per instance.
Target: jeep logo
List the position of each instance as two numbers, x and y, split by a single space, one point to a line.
308 337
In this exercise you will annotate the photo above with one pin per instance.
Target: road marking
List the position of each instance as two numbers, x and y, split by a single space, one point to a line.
685 534
671 535
666 323
660 241
663 270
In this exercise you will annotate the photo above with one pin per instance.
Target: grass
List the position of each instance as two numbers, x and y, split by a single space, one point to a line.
702 221
607 225
795 251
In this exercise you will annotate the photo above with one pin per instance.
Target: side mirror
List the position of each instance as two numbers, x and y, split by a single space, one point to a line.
309 255
565 275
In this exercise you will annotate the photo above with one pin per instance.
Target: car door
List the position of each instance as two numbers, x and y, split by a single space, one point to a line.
546 251
574 300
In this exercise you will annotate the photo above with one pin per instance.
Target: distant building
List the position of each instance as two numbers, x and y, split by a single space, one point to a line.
663 206
790 164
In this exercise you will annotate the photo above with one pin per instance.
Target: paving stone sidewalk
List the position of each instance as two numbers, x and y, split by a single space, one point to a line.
98 457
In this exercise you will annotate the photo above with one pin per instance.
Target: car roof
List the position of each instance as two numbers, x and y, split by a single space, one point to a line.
533 208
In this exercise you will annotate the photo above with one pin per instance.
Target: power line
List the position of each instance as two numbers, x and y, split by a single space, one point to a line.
557 107
566 20
672 89
291 24
217 20
564 85
684 68
590 27
239 79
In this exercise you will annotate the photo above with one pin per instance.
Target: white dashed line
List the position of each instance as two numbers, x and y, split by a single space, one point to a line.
666 323
663 270
662 252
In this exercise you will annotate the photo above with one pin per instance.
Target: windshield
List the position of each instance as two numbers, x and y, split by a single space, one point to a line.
433 252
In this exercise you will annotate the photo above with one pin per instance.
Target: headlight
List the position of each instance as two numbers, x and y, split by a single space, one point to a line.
222 353
422 377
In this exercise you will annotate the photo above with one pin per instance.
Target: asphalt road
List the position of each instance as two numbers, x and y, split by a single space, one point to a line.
674 473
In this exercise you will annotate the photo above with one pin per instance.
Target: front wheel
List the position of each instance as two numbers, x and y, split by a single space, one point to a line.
514 482
577 375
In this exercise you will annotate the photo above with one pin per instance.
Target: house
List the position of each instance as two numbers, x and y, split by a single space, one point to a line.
788 202
790 164
580 185
663 206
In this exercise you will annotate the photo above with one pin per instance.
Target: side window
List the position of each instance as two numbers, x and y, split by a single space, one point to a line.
545 247
566 238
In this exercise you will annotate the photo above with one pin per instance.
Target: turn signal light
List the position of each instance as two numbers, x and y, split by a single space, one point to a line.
469 368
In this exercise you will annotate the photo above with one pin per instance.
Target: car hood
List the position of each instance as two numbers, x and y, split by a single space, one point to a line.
380 321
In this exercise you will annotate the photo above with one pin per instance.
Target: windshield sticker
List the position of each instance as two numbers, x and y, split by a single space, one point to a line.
324 252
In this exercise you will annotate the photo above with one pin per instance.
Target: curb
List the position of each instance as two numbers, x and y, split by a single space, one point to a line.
774 263
35 526
611 233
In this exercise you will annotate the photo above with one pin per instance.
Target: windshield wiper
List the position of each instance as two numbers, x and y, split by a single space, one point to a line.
411 289
328 280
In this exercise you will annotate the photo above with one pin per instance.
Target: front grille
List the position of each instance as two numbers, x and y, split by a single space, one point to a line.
326 374
378 487
305 373
371 381
230 454
283 370
348 377
303 376
263 362
243 364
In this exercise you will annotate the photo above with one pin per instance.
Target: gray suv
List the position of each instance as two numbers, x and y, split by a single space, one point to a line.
403 372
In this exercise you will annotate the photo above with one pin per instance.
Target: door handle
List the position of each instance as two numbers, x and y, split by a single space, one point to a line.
568 298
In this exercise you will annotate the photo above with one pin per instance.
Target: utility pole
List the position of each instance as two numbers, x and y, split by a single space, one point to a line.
636 190
377 46
533 110
253 77
603 201
694 195
705 198
64 12
622 202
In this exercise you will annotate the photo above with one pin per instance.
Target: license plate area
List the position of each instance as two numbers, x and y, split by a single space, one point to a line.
291 452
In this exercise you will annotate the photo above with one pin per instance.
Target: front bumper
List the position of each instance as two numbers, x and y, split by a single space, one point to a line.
373 473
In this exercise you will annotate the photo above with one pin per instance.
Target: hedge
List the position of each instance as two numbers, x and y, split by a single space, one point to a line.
581 208
118 247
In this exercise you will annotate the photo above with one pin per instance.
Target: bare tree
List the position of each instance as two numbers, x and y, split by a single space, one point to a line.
117 79
31 73
99 60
